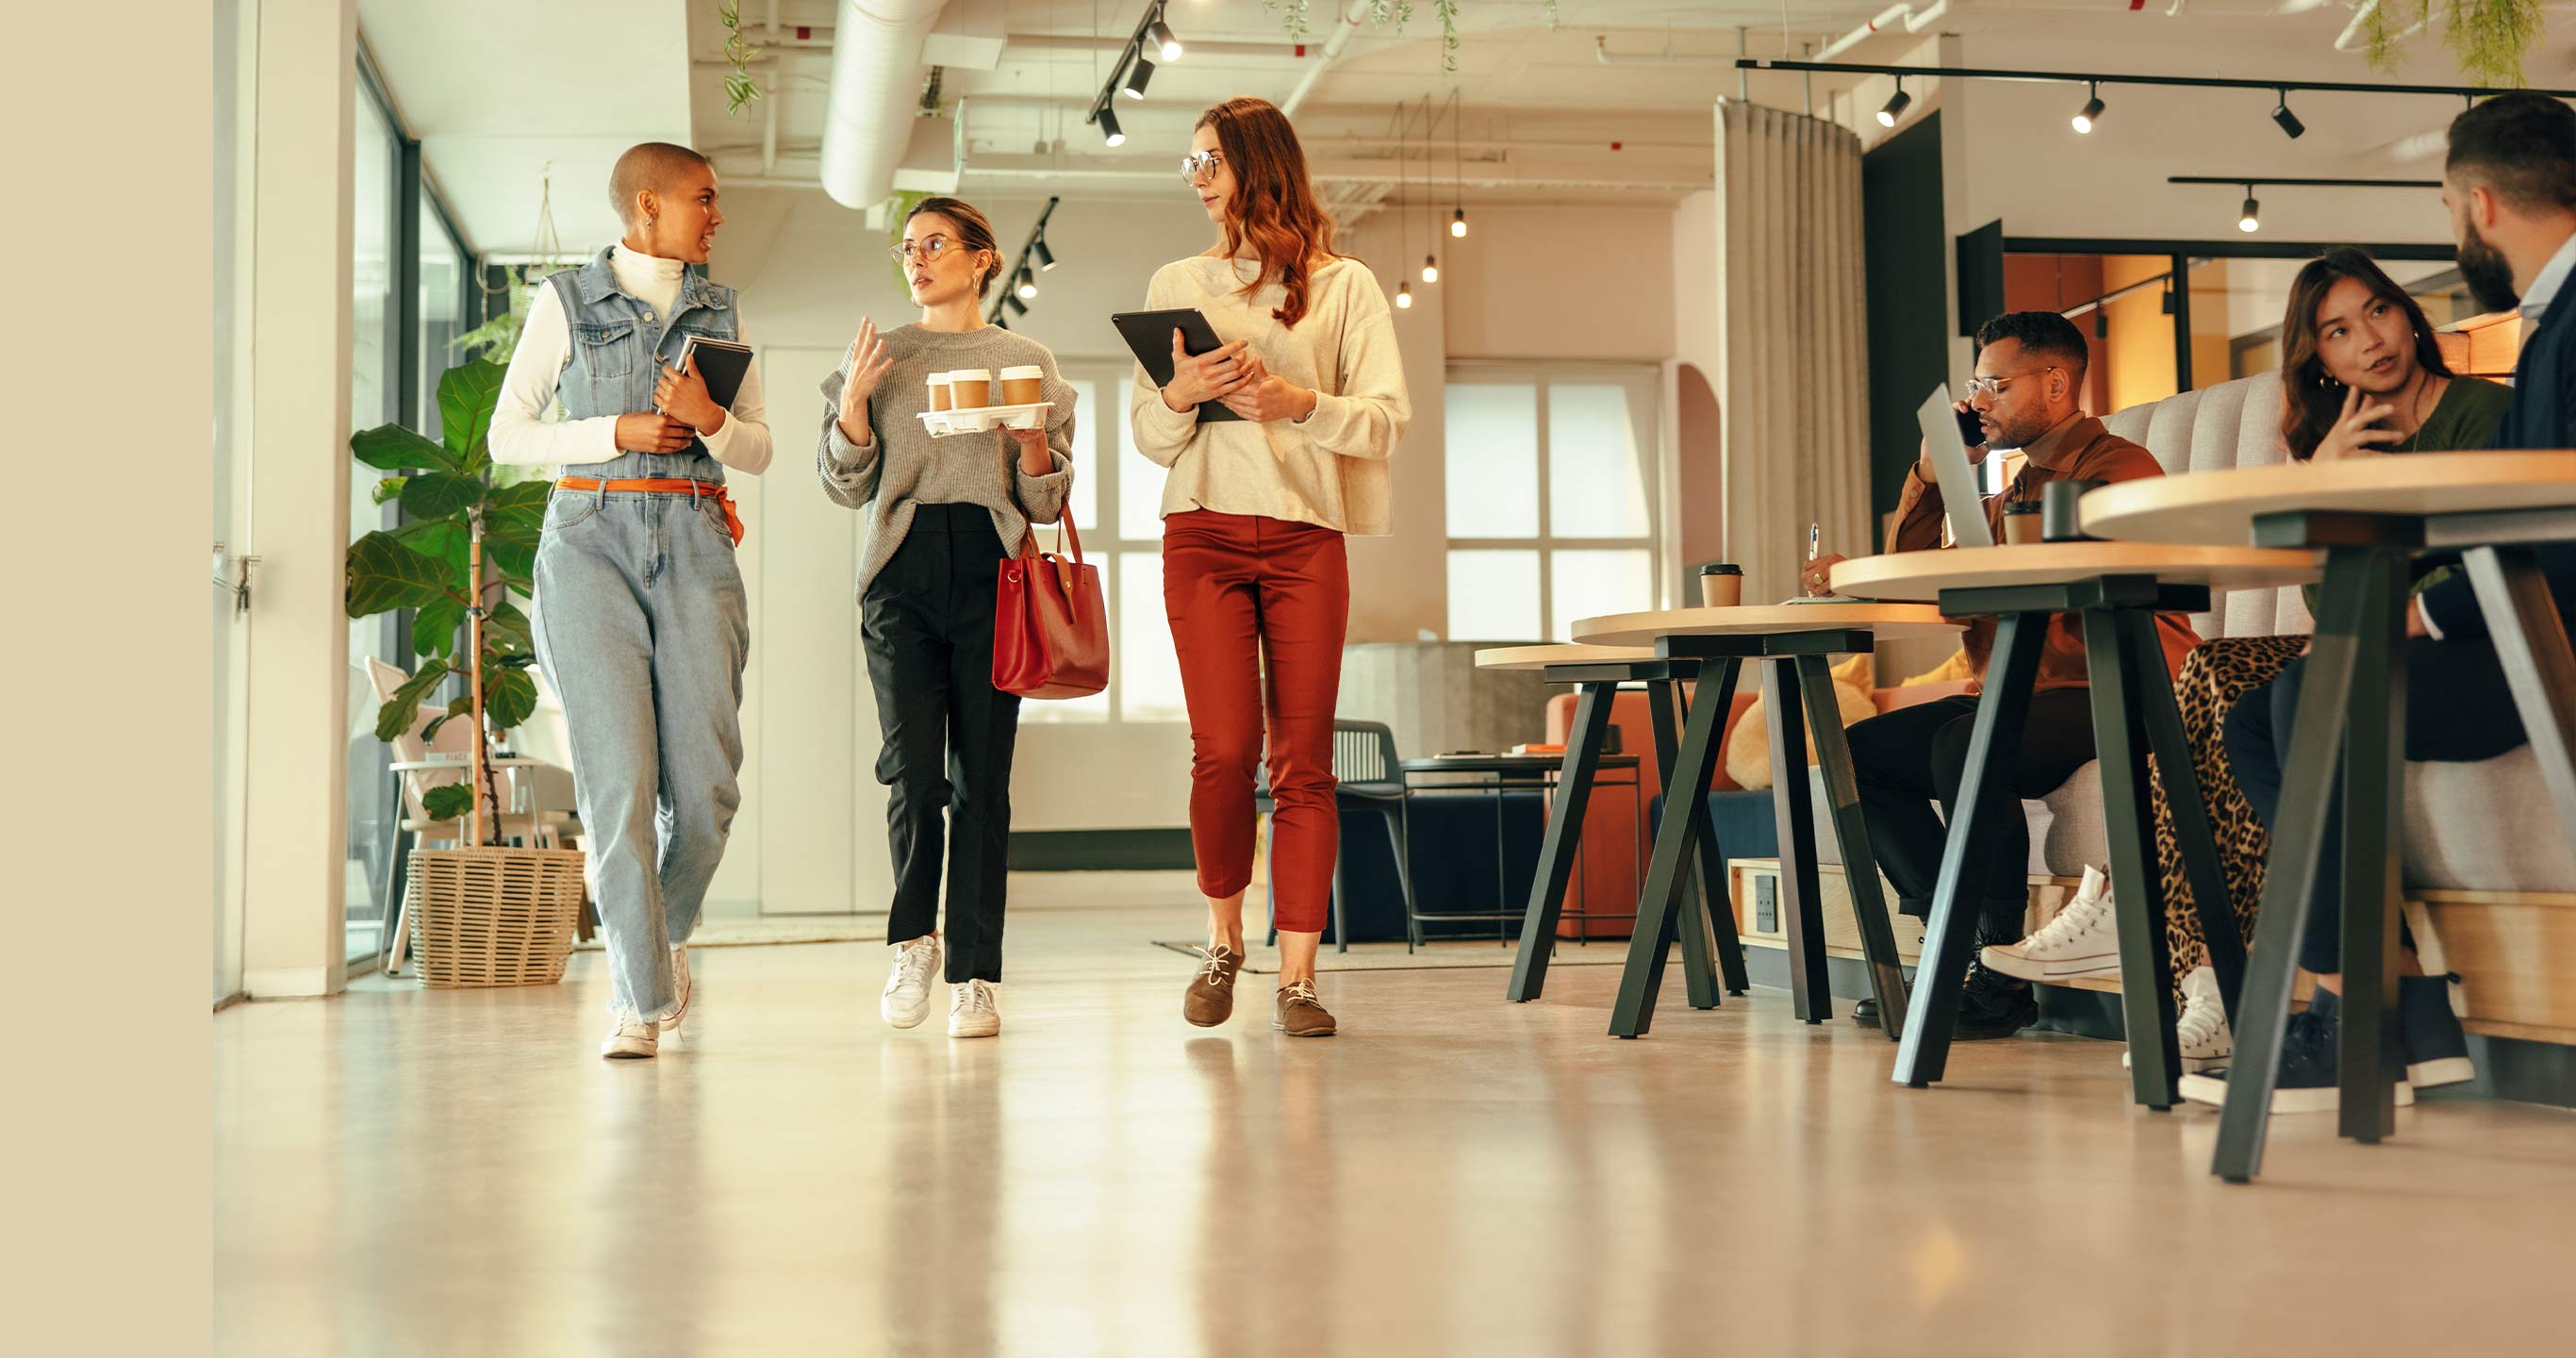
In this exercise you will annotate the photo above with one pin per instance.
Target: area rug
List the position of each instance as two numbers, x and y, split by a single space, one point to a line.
1430 957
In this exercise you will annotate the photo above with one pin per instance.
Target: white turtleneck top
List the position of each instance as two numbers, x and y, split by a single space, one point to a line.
521 434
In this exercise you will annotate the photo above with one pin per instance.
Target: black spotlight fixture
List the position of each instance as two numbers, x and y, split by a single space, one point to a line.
2250 218
1894 108
1023 290
1046 257
1018 307
2291 127
1109 127
2092 110
1160 35
1139 72
1027 287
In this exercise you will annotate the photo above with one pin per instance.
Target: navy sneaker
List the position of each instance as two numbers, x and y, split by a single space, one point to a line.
2306 1083
2437 1048
1993 1005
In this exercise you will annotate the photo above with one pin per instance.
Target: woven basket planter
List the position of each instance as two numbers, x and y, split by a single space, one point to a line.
493 916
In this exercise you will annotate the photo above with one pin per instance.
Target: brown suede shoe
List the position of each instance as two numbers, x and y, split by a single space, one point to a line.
1210 998
1300 1014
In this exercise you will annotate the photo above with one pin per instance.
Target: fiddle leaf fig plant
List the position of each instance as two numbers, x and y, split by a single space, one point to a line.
448 492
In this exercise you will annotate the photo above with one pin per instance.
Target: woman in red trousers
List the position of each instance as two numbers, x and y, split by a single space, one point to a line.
1254 513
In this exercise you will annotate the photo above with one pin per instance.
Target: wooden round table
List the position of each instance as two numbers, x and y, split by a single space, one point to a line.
1546 657
1920 577
1891 621
2370 517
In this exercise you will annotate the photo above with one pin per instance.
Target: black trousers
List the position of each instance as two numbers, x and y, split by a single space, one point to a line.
1906 759
2458 709
927 623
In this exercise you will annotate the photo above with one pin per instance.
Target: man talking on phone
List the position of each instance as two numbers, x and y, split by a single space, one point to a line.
2027 395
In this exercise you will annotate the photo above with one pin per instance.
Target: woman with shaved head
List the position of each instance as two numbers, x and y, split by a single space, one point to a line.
640 617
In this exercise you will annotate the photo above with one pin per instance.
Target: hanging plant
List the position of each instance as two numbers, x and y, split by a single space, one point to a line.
1293 16
740 89
1390 14
2489 38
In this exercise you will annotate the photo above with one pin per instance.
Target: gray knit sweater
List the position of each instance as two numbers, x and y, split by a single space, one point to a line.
903 465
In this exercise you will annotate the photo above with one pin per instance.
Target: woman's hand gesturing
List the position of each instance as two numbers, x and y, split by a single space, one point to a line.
867 362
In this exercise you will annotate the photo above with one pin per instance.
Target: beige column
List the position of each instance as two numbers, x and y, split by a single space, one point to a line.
296 789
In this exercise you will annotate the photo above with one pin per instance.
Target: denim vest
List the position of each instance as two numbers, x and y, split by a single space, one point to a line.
618 345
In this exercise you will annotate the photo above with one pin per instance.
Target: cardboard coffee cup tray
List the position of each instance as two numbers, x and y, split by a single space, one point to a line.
942 423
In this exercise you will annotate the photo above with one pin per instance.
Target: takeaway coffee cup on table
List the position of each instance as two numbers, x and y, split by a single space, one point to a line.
971 388
1721 585
1023 386
940 391
2021 521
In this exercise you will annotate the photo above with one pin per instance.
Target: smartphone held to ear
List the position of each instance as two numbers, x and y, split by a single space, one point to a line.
1971 433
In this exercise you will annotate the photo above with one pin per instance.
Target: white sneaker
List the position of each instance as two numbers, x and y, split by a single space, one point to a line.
629 1036
2202 1031
972 1011
906 1001
2081 940
679 985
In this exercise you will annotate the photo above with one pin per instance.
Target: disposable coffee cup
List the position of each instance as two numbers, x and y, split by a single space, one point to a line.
1721 585
971 388
940 391
1024 386
2022 521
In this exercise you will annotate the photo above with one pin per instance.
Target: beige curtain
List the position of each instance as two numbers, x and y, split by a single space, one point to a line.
1792 358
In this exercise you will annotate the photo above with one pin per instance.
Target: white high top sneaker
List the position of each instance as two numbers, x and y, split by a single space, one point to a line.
2201 1032
2081 940
906 1001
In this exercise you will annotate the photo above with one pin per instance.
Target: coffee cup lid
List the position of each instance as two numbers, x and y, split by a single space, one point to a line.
2021 506
1020 373
1721 568
971 375
940 379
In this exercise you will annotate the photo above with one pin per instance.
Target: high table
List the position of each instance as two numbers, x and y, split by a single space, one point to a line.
2370 516
2116 588
1790 641
1596 673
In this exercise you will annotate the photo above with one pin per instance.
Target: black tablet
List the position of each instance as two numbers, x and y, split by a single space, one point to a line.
1149 335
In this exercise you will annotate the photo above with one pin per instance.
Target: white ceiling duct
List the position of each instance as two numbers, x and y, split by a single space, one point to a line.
876 89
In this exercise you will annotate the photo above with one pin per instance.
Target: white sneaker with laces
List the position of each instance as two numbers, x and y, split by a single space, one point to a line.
906 1001
679 986
972 1011
2081 940
630 1036
2202 1031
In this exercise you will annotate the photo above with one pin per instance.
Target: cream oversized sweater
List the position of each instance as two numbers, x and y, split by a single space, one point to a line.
1329 470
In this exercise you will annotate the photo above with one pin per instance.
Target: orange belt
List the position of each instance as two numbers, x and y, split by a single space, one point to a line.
665 485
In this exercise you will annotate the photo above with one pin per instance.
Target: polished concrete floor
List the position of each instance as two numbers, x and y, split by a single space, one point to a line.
401 1171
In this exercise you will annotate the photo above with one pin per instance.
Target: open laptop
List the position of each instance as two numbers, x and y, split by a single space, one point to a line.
1961 495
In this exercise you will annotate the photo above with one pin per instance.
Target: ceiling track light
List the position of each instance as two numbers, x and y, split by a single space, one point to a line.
1015 299
1109 130
2092 110
1894 108
2291 127
2249 219
1160 35
1139 72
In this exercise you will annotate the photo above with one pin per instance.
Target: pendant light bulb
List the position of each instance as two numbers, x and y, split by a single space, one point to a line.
1458 223
1403 296
1430 268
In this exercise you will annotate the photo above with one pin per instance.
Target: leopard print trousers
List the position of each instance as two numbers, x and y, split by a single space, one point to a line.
2214 676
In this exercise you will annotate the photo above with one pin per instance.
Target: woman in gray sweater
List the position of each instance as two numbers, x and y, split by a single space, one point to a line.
942 516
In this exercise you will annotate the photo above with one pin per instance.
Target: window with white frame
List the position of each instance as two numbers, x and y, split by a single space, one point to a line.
1116 503
1551 496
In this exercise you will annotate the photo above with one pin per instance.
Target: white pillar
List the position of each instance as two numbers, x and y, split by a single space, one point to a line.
296 794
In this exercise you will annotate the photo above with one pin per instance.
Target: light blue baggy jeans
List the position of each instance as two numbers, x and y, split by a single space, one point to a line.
643 629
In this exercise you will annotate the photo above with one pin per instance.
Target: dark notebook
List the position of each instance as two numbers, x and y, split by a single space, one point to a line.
721 363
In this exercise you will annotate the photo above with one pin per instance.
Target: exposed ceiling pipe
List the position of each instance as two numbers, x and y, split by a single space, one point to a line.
1892 15
1352 18
876 84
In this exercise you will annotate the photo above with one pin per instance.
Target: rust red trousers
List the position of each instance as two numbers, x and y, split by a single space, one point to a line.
1258 610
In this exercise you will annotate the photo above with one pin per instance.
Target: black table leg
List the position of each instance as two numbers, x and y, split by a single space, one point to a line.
1675 840
2368 1062
1564 832
2201 867
1714 900
1851 832
1698 975
2291 877
2115 672
1984 793
1802 919
2531 641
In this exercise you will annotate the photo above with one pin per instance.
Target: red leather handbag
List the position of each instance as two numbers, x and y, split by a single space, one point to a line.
1050 627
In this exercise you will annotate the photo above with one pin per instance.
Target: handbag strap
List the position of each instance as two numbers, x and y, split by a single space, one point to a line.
1064 532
